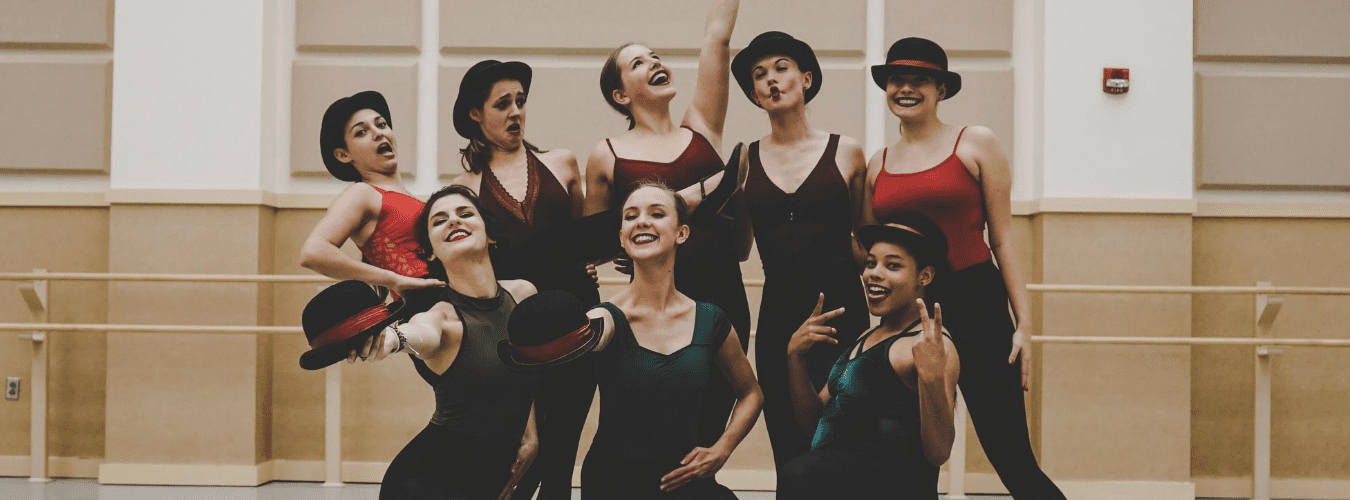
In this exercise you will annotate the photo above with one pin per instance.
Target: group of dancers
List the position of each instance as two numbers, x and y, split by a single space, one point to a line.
493 290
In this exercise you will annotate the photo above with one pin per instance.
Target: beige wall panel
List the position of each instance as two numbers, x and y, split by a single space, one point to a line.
983 26
1256 28
57 22
355 24
1135 400
56 116
1309 431
59 240
986 99
316 84
183 398
384 405
594 26
1245 145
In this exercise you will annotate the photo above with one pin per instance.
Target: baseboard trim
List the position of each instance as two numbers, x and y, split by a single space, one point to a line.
65 467
1241 487
186 475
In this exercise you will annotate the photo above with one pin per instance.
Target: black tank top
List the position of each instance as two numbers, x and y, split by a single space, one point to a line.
650 402
872 410
810 228
478 396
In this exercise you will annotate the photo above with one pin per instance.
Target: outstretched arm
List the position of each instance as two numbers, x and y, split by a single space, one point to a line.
599 179
708 112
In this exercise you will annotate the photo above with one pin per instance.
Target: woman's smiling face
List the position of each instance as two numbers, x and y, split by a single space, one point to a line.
650 224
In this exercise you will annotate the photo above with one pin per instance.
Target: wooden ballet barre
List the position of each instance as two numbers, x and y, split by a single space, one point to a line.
199 278
1247 341
1248 290
92 327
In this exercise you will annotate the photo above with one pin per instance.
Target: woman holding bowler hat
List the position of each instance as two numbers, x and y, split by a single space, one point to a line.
804 189
357 144
959 177
528 189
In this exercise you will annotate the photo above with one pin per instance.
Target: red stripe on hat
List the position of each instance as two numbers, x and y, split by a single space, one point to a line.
911 62
553 349
350 326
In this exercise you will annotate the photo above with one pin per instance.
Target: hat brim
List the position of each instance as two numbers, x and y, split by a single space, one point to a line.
508 355
798 50
882 73
335 120
871 234
510 70
323 357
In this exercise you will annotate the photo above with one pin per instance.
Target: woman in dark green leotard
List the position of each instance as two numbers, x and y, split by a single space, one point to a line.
654 360
883 421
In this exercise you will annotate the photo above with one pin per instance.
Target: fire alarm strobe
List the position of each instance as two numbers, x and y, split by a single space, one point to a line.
1115 80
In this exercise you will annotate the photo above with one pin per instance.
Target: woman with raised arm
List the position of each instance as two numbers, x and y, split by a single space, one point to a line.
655 361
357 144
804 190
636 83
527 190
482 436
883 422
960 178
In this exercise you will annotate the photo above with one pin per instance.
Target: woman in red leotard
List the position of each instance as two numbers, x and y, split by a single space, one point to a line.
526 189
357 144
804 190
636 83
959 177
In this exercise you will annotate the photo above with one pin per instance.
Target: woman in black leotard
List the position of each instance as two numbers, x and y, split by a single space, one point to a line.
804 190
528 189
655 360
636 83
883 423
481 437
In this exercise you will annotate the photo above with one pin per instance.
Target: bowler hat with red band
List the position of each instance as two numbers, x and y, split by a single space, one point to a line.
548 329
917 56
341 317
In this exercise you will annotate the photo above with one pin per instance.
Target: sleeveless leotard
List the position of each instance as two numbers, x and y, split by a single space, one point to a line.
393 244
946 193
806 246
482 408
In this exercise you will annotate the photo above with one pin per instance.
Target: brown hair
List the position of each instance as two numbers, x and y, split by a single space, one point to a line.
475 156
611 79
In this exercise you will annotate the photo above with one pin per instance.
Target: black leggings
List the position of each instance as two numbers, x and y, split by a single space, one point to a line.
564 399
440 464
608 476
836 473
975 310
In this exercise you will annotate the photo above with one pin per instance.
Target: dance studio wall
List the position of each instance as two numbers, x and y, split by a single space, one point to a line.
188 146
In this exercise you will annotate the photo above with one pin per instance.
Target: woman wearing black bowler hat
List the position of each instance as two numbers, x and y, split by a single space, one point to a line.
528 189
960 178
804 189
357 144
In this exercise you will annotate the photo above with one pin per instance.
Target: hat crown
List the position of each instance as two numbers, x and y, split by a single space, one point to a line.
336 304
917 49
545 316
479 78
332 131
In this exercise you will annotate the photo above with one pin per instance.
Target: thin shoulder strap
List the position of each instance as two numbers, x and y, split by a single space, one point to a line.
883 157
958 139
832 148
611 148
622 331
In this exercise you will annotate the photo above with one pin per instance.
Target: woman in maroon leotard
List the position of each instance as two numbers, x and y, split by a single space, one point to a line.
638 85
357 144
959 177
804 190
526 189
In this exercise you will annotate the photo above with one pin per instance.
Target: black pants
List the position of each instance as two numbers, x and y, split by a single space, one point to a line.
608 476
975 310
847 474
565 397
439 464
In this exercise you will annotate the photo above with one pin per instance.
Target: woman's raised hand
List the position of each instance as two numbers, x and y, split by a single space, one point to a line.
930 352
814 330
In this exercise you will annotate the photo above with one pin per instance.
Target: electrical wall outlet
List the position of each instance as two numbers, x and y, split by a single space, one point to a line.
12 388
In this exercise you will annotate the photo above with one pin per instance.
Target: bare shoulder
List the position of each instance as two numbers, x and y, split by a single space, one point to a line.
470 179
850 151
519 289
441 312
561 162
980 137
359 194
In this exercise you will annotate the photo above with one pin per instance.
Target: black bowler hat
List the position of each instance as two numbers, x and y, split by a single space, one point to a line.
482 76
917 56
914 231
332 133
776 43
548 329
341 317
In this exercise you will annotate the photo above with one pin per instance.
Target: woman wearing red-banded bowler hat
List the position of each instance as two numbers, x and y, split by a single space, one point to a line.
959 177
376 212
804 189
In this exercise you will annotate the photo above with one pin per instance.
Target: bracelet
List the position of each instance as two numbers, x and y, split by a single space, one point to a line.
403 341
